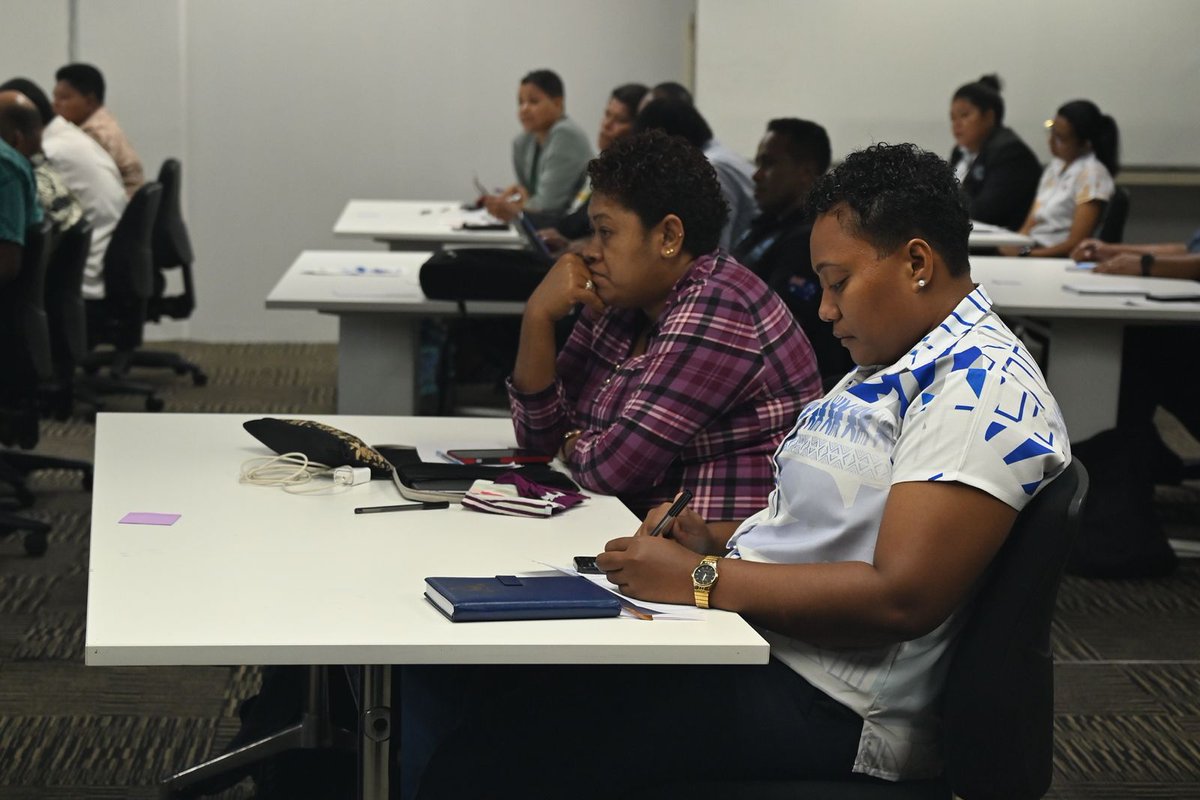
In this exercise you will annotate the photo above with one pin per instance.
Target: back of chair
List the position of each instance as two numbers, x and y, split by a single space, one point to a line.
129 269
64 300
26 337
172 246
1112 224
999 696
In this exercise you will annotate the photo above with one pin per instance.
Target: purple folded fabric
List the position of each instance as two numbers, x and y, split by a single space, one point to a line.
516 495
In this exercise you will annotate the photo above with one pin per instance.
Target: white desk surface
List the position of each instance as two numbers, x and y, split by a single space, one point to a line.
339 281
985 235
253 575
433 221
1034 287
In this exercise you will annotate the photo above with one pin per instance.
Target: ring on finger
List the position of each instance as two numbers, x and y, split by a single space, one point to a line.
589 286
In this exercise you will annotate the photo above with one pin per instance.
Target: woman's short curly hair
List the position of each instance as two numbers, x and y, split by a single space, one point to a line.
896 193
654 175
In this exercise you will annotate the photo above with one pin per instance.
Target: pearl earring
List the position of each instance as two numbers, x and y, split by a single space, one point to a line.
921 283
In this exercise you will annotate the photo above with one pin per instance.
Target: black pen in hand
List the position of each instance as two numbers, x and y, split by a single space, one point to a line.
674 511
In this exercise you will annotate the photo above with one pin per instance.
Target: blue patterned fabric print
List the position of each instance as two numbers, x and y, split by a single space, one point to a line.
966 404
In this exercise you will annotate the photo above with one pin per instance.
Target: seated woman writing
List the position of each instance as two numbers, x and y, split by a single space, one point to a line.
549 156
684 370
893 493
1076 185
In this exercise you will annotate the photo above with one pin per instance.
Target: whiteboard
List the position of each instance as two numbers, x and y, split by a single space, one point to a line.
880 70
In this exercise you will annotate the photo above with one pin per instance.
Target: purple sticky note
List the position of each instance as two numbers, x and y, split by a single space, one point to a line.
148 518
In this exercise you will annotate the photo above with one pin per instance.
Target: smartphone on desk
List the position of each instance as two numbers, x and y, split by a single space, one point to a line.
586 565
503 455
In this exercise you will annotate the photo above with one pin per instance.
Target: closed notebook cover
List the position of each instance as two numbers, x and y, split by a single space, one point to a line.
509 597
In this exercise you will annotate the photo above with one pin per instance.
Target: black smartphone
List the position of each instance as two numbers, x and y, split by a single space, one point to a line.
587 565
502 455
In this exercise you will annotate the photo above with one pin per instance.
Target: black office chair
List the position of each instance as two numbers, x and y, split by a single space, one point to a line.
66 315
45 296
24 364
172 250
998 702
1112 222
118 319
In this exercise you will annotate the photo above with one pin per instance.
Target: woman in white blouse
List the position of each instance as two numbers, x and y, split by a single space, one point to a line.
1077 183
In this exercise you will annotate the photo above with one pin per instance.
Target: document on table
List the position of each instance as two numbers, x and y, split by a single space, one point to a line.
480 218
654 610
1160 289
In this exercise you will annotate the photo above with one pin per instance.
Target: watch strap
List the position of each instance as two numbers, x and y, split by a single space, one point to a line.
1147 264
699 592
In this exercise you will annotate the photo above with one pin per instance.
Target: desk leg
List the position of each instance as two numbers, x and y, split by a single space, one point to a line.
1084 373
377 363
376 732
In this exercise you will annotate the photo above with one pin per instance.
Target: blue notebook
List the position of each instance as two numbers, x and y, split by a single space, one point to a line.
509 597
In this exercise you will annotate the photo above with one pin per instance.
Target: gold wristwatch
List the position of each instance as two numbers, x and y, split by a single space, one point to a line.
574 433
704 577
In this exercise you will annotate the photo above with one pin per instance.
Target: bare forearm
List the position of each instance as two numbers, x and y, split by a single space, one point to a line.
534 369
844 604
1178 266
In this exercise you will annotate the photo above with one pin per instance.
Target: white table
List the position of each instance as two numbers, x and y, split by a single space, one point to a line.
986 236
379 305
253 575
1086 330
417 225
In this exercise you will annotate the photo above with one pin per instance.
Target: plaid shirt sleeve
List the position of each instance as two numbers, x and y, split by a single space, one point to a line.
541 418
703 362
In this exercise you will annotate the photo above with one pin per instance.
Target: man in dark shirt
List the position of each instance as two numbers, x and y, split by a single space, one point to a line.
791 156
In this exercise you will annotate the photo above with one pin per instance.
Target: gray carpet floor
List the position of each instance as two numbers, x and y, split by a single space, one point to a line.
1127 713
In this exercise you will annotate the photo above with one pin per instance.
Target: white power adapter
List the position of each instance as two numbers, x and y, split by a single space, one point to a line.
351 476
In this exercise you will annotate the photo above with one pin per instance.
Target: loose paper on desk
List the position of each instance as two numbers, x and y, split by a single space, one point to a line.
656 610
364 270
1152 288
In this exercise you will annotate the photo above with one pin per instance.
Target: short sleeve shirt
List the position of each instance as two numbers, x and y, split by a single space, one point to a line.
968 405
19 206
1063 188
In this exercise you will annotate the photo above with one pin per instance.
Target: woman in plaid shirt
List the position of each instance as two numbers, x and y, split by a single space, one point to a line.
684 370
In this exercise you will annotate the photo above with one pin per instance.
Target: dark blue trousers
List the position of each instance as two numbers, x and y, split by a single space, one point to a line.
598 731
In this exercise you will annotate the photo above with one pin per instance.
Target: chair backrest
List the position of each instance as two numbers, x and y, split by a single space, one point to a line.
129 270
26 337
172 248
1112 224
64 298
999 697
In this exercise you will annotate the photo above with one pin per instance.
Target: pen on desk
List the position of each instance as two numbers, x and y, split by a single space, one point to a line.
430 506
674 511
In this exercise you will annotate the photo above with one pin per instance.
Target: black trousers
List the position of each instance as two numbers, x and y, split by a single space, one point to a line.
582 732
1157 369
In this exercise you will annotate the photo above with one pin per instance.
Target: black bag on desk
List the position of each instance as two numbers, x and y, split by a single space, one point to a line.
432 481
482 273
1119 535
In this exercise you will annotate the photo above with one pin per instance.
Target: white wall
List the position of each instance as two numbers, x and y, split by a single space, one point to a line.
282 110
33 40
877 70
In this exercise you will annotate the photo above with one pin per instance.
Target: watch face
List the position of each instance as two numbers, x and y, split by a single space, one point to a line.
705 574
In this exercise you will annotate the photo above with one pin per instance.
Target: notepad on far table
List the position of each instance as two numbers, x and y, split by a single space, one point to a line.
1164 289
507 597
